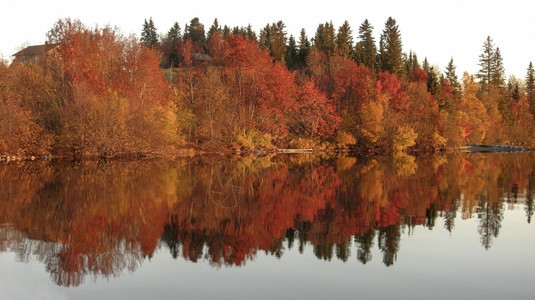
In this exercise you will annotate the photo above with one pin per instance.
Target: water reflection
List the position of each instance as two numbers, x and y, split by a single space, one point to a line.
104 218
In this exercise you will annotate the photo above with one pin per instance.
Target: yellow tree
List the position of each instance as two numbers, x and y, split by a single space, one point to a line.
475 123
521 131
20 132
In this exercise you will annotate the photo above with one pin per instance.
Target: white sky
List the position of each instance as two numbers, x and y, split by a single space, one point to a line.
437 30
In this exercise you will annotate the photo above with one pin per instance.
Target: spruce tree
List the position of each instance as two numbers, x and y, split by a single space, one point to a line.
324 40
498 77
249 33
433 82
391 48
344 41
487 64
425 66
175 32
365 49
304 48
273 38
149 36
214 29
291 56
226 31
411 63
530 88
195 32
170 45
451 76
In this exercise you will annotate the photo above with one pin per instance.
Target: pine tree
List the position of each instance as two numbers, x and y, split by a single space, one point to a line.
513 88
226 31
249 33
263 38
498 77
279 41
149 36
365 50
273 38
487 64
175 32
433 83
304 48
390 48
195 33
324 40
411 63
214 29
425 65
344 41
530 88
170 46
291 56
451 76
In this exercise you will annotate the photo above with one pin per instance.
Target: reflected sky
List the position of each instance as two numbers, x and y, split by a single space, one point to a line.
226 222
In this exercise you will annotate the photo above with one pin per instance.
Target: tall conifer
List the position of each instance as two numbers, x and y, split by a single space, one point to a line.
149 36
530 87
344 41
365 49
391 48
452 78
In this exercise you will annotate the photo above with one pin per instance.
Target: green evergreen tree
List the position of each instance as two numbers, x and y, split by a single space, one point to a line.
498 77
170 45
487 64
263 38
304 48
365 49
324 40
411 63
291 56
273 38
175 32
391 48
226 31
249 33
214 29
344 41
451 76
530 87
238 31
149 36
195 32
513 88
425 66
433 82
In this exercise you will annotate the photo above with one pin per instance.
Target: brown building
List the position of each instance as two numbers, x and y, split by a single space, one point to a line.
33 53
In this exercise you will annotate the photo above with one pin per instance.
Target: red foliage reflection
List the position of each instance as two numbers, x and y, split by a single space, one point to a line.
103 218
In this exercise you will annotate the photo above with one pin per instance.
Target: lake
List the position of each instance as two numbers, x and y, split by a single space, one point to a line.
287 226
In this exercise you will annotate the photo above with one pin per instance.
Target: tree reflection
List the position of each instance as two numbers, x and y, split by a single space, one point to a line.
105 218
365 244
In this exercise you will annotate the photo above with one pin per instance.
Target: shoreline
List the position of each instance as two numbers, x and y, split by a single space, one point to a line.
200 151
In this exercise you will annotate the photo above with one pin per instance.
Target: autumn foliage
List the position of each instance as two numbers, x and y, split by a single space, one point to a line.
244 88
99 93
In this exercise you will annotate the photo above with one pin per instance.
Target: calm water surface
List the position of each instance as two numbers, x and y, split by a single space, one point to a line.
283 227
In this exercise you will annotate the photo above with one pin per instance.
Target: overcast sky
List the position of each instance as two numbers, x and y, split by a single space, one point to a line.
438 30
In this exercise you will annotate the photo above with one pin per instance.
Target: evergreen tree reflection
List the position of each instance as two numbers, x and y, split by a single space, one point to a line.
388 241
365 244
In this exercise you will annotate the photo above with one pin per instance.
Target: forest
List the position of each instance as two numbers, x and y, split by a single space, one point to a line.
99 93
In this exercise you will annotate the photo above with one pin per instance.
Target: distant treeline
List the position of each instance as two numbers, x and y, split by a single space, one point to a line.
101 93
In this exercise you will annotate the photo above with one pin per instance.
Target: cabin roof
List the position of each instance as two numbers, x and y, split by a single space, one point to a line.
35 50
